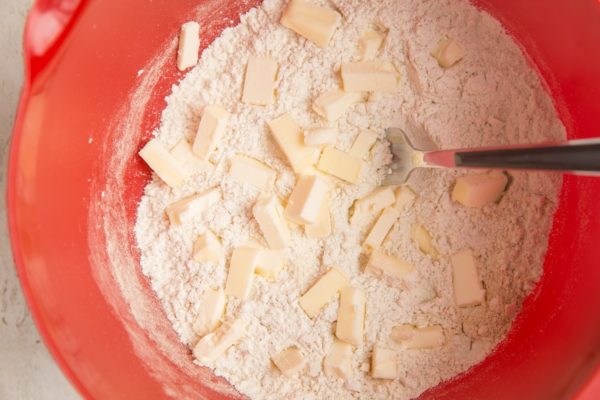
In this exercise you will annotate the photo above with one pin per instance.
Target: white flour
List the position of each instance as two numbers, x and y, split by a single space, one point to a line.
491 97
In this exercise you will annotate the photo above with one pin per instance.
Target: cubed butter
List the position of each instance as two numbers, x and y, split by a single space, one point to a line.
370 76
448 52
323 291
182 152
213 345
312 21
418 338
289 361
320 136
189 45
405 197
340 164
362 144
333 104
259 83
384 364
322 228
338 361
212 307
467 285
191 206
167 167
351 316
307 198
290 140
270 263
374 202
241 272
381 264
423 240
384 223
247 170
268 213
479 189
207 248
370 42
210 130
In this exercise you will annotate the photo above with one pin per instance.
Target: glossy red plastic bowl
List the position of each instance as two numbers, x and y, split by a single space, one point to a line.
98 71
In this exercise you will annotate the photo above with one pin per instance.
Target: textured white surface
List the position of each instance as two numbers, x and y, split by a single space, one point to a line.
27 371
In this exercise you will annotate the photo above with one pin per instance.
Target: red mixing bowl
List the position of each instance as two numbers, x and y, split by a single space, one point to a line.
98 71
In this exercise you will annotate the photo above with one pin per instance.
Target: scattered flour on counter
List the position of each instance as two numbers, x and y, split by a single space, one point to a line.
491 97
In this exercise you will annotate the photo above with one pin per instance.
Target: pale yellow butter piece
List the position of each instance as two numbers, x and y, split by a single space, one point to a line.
189 45
467 285
167 167
374 202
403 332
191 206
384 223
182 152
289 361
307 198
241 272
418 338
382 264
424 240
212 307
362 144
270 263
448 52
340 164
370 42
247 170
479 189
210 130
405 197
320 136
351 316
322 228
322 292
268 213
333 104
370 76
289 137
314 22
214 345
384 364
207 248
338 361
259 83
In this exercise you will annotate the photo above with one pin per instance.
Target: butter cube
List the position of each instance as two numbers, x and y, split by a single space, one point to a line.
370 43
479 189
370 76
323 291
289 361
182 152
351 316
403 332
307 198
384 223
333 104
340 164
382 264
322 228
187 208
189 45
424 241
383 363
467 285
259 84
167 167
212 126
268 213
207 248
405 197
213 345
270 263
241 272
314 22
320 136
212 307
374 202
338 361
418 338
288 136
249 171
362 144
448 52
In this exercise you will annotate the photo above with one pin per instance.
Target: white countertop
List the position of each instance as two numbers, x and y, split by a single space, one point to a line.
27 371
